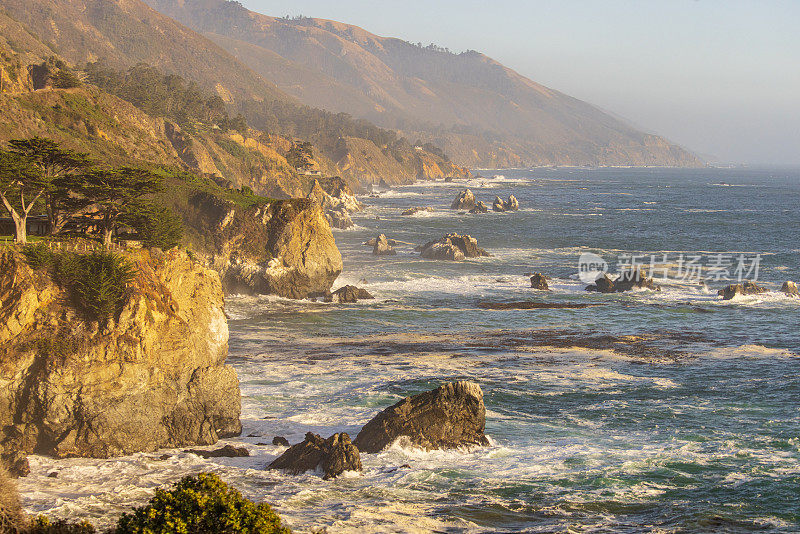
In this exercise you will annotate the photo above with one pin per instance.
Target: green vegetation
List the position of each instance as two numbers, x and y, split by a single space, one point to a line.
97 282
20 187
42 525
300 154
163 95
113 192
201 504
39 256
156 225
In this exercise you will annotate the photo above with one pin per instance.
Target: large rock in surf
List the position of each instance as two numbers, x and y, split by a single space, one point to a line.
539 281
284 247
464 201
333 456
480 207
339 218
348 294
452 415
628 280
418 209
153 376
382 247
453 247
745 288
790 289
512 204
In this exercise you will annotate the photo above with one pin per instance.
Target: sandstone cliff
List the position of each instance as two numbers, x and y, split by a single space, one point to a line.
152 377
283 247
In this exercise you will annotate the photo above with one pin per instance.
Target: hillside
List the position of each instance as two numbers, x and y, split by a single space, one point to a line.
477 110
122 34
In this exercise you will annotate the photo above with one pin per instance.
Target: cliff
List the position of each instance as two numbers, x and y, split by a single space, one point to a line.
283 247
154 376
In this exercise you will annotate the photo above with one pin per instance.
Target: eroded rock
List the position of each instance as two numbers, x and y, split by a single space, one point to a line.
228 451
480 207
152 377
418 209
453 247
348 294
333 456
539 281
745 288
452 415
790 289
382 247
512 204
464 201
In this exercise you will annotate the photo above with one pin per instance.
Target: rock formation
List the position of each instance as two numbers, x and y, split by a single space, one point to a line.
153 376
790 289
628 280
284 247
453 247
480 207
382 247
505 205
745 288
333 456
539 281
418 209
464 201
450 416
228 451
337 201
280 441
348 294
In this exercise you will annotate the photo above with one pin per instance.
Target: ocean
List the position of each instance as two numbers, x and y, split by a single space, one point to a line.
668 411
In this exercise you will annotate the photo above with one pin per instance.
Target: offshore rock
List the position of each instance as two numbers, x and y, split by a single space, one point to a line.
512 204
284 247
464 201
382 247
228 451
453 247
480 207
452 415
634 279
333 456
790 289
154 376
348 295
418 209
628 280
539 281
745 288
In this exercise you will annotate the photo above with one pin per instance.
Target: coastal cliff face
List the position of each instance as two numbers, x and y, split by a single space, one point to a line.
152 377
284 247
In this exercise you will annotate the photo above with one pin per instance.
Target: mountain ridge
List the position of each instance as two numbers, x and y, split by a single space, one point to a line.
479 111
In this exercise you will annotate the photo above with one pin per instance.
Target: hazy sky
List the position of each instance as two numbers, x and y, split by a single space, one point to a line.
720 77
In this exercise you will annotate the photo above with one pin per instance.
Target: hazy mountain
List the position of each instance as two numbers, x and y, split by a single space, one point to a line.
480 112
124 33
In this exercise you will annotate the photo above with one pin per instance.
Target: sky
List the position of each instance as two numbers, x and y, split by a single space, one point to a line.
719 77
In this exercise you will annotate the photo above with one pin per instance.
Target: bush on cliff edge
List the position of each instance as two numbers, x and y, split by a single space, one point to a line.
201 504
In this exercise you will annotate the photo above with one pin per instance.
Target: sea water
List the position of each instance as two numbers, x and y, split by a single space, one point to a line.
669 411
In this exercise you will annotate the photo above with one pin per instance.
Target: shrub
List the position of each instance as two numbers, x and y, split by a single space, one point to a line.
97 282
39 255
201 504
42 525
65 79
156 226
11 519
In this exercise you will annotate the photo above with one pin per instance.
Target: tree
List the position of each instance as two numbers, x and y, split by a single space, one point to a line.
19 180
156 225
112 190
54 164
